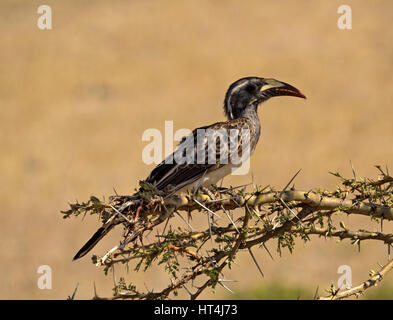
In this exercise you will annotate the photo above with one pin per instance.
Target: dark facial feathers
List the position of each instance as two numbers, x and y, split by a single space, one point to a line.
240 94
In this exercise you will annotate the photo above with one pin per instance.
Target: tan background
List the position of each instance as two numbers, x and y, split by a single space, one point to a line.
75 101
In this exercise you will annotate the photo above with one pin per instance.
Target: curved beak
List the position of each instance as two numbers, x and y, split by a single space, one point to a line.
273 88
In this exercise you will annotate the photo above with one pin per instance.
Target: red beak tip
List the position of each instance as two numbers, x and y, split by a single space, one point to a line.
301 95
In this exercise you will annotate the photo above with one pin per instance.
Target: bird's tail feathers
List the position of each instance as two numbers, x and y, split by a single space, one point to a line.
97 236
101 232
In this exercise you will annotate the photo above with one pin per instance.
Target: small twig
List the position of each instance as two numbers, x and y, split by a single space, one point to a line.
362 287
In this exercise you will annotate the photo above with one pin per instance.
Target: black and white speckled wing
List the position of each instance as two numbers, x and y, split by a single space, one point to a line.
192 159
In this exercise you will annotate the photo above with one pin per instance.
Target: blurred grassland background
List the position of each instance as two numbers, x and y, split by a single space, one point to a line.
75 101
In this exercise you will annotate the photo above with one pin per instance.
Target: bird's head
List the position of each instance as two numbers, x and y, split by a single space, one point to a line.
247 93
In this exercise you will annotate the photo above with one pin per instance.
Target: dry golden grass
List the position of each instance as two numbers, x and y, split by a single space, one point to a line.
75 101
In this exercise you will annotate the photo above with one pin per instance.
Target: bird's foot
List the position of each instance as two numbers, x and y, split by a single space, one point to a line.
212 192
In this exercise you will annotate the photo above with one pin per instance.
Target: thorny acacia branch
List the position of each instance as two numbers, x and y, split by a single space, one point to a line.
375 277
265 214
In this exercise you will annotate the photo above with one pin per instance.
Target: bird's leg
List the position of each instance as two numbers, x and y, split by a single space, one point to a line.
209 192
219 189
212 197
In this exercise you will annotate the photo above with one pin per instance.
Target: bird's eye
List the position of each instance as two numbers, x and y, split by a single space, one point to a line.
251 88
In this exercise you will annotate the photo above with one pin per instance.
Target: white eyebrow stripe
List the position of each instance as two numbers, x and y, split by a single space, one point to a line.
239 86
234 89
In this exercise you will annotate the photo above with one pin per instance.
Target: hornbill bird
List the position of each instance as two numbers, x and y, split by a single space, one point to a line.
240 107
